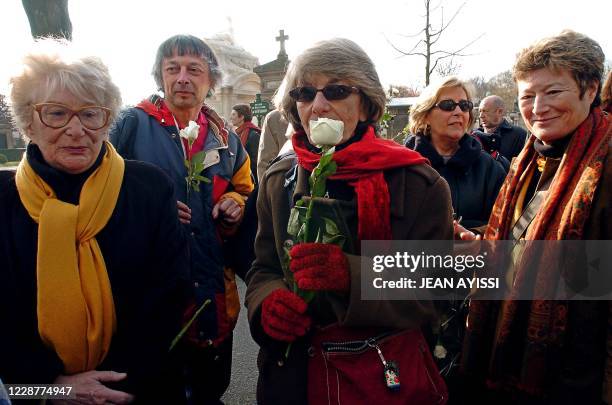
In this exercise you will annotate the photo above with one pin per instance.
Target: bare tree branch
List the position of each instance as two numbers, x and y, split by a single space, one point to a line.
443 27
404 53
426 46
446 69
458 51
412 35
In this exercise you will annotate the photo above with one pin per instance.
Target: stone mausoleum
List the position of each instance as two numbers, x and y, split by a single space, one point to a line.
243 77
240 84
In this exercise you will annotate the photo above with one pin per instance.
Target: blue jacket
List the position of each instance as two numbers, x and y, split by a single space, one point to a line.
511 139
141 135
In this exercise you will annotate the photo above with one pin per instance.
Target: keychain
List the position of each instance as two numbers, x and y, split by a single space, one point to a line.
391 370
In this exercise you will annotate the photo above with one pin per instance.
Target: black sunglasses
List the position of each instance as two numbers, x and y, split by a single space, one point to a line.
331 92
450 105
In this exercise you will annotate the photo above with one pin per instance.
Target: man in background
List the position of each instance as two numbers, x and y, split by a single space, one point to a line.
248 132
496 133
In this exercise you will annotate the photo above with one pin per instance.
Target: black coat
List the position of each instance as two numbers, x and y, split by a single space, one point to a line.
508 139
473 175
144 250
252 148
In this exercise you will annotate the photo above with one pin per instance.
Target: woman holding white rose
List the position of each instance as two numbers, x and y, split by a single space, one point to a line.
379 191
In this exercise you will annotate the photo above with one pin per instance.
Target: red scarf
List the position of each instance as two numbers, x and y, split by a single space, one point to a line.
157 108
244 129
362 164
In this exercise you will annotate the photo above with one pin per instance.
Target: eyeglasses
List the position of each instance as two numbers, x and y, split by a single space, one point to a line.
450 105
58 116
331 92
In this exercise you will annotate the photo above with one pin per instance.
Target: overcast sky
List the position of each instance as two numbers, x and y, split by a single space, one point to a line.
126 33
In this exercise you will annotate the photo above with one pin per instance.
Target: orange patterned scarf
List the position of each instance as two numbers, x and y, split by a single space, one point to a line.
491 346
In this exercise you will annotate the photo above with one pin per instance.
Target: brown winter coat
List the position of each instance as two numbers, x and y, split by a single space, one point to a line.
420 209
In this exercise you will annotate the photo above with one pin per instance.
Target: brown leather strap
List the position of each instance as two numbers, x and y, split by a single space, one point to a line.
529 213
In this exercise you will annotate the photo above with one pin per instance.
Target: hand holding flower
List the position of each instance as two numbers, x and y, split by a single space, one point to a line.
283 315
184 212
319 267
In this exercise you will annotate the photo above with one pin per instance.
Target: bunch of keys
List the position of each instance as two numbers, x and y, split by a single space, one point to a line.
391 370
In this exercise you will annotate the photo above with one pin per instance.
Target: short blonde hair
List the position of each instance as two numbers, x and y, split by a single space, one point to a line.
570 50
54 65
336 58
427 101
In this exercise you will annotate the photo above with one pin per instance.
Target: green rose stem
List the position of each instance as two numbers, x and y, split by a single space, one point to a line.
187 325
318 179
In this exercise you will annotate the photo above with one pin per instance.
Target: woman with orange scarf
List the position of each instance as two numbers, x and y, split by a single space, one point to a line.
91 248
558 188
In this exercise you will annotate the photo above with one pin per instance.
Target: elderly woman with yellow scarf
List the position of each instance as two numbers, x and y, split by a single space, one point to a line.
91 250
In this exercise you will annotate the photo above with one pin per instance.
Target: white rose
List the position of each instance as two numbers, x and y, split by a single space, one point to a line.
190 132
326 132
439 352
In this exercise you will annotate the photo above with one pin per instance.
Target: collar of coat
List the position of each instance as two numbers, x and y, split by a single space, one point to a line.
468 152
157 108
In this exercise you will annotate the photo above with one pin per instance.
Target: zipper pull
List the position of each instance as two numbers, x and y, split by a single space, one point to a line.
391 371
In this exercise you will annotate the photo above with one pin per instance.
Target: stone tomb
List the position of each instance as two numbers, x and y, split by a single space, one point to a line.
239 84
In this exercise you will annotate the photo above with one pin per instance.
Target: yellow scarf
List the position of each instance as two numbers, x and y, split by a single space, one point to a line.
76 312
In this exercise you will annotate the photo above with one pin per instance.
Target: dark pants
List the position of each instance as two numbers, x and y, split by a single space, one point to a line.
207 372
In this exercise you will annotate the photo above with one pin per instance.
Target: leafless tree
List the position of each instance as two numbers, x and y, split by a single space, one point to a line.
404 91
481 87
5 112
448 68
48 18
427 45
503 85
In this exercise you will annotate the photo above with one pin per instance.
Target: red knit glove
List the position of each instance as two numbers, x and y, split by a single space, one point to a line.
319 266
283 316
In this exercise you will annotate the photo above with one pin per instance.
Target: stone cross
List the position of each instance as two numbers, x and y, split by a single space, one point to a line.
281 38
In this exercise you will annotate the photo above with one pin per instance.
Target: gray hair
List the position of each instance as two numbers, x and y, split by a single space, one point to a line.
336 58
54 65
427 101
181 45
